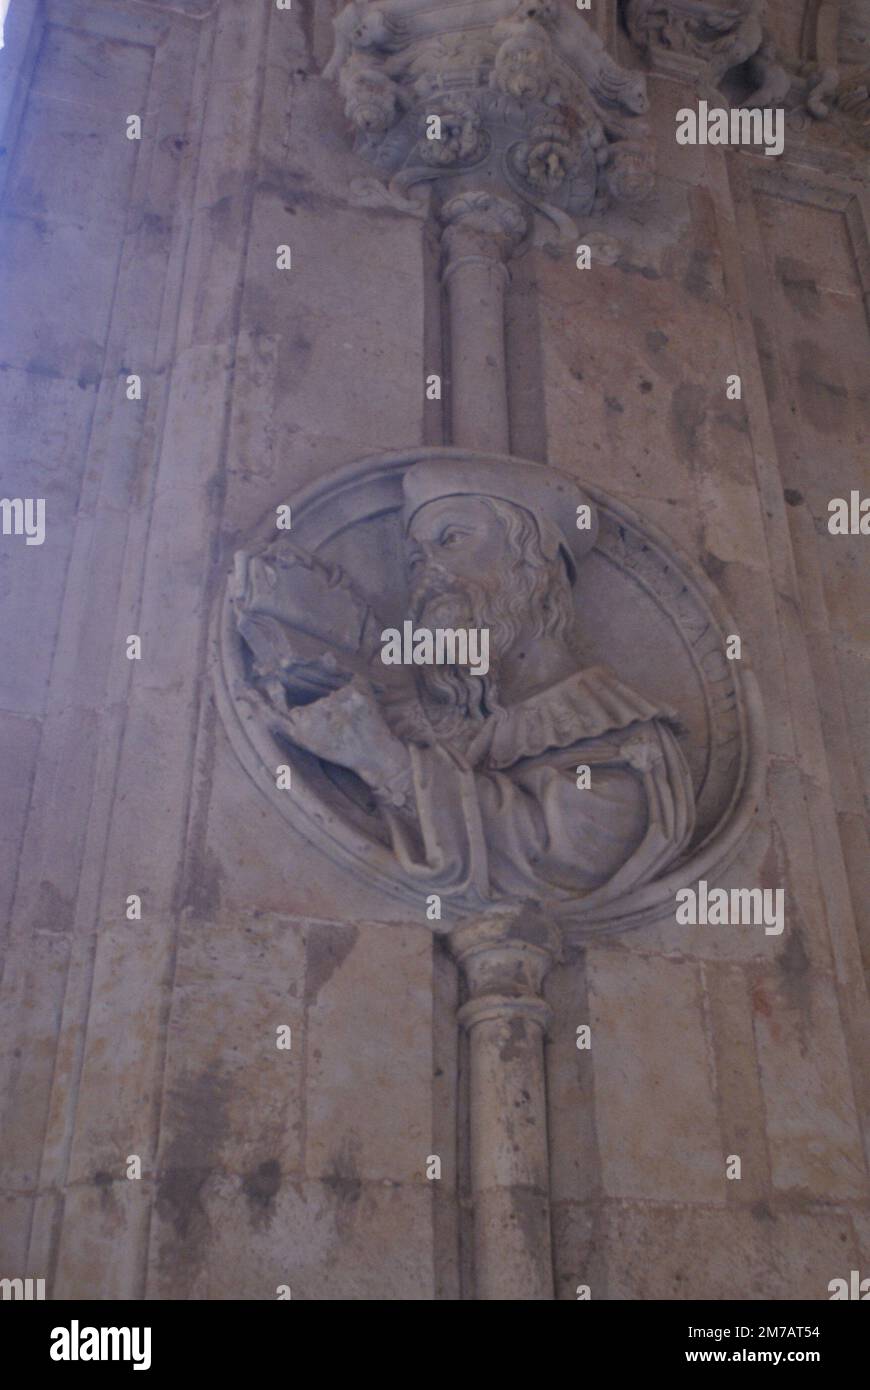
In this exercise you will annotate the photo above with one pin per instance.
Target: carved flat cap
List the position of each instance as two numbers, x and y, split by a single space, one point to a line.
554 499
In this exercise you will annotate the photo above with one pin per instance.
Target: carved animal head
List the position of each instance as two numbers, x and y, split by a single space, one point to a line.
462 135
369 96
632 94
524 67
544 12
372 29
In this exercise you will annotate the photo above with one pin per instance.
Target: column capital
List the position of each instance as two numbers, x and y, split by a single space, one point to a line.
505 957
480 226
523 96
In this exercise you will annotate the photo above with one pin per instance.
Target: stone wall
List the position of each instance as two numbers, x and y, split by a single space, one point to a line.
263 1167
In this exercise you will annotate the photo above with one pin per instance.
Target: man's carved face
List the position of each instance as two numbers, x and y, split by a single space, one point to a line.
458 560
477 562
459 537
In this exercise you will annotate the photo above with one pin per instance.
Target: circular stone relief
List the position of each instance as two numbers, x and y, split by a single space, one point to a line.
650 702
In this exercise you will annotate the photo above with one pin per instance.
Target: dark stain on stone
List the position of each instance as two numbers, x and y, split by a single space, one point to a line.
306 21
688 413
201 1104
615 405
794 963
821 395
198 1121
770 873
761 1211
800 288
713 566
89 376
327 949
53 910
645 270
733 420
792 496
260 1186
656 340
222 220
528 1211
645 386
697 277
296 198
178 1201
343 1182
41 369
154 226
765 356
203 878
512 1049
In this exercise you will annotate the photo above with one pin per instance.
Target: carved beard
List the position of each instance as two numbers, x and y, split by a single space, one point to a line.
452 697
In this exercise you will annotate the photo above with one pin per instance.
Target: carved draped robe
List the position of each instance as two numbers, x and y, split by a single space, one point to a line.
507 820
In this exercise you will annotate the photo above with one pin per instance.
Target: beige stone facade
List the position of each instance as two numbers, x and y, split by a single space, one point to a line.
416 1037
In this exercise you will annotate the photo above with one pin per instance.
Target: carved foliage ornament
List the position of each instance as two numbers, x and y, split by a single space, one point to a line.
525 91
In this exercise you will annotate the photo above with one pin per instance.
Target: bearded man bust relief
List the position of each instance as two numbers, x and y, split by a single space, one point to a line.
475 775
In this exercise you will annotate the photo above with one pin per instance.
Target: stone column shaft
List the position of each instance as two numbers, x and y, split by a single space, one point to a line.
478 394
481 232
505 958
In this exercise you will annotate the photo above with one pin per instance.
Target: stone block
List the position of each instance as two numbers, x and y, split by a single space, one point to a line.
657 1252
653 1079
369 1090
87 69
72 162
813 1132
809 1249
38 258
100 1255
242 1238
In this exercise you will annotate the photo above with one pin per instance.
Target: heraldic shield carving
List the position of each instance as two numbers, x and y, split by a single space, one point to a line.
600 752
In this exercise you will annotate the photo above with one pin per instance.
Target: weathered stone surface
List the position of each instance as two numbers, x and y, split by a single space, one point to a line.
368 1103
233 1098
656 1251
261 386
653 1073
813 1128
226 1237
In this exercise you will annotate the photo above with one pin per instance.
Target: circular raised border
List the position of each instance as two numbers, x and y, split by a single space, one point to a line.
327 507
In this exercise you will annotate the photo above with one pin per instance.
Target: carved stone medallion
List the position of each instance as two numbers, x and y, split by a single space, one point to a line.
604 752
